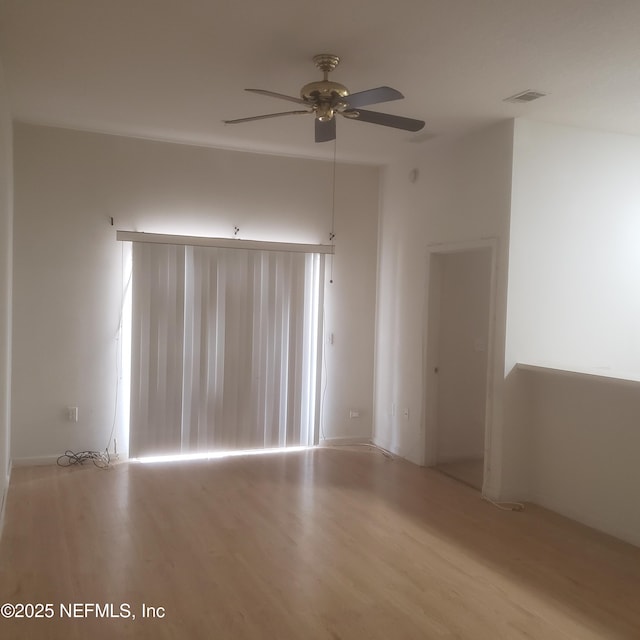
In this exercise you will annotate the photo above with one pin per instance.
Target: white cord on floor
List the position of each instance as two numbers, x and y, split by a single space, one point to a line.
505 506
384 452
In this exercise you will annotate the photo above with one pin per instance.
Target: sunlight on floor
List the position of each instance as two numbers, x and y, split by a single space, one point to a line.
215 455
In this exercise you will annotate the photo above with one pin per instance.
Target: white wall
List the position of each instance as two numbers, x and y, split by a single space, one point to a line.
584 448
67 266
573 303
6 232
574 266
462 194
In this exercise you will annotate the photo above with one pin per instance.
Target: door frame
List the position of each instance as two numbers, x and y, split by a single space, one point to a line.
430 352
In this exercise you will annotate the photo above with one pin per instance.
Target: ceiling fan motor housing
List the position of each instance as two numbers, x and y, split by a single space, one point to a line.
325 95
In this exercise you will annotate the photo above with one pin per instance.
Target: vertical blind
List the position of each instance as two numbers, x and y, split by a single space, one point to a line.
225 348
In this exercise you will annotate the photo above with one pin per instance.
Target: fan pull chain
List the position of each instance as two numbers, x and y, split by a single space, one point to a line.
332 234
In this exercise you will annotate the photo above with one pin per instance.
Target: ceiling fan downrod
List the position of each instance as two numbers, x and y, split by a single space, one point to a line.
326 62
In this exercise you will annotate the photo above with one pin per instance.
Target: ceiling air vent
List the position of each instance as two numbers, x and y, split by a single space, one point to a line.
525 96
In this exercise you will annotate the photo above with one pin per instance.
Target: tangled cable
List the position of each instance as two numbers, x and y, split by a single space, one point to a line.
100 459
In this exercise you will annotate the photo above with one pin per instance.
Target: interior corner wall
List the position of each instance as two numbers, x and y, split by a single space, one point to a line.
584 449
6 233
67 265
573 305
462 194
574 270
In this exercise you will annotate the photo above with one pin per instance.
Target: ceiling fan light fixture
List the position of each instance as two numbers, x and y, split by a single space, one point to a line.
325 98
324 112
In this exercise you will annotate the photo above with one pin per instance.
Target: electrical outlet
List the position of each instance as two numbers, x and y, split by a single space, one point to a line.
353 413
72 414
405 413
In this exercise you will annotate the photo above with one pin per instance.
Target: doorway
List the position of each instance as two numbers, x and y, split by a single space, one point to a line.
458 357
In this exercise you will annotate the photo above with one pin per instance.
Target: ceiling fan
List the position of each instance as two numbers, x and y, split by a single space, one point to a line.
326 99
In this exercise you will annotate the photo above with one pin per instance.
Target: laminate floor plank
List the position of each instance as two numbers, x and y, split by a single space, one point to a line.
322 545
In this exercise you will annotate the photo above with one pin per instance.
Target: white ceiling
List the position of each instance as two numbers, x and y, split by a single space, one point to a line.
174 69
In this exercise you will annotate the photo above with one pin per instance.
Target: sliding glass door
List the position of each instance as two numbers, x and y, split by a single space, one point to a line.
225 348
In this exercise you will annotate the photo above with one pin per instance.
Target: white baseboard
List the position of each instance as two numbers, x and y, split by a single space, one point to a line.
41 461
37 461
617 530
383 444
364 443
343 440
492 492
458 458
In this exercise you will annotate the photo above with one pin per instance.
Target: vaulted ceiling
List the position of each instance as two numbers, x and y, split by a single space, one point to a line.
174 69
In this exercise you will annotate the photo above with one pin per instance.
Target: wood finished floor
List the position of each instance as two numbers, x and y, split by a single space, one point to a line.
326 544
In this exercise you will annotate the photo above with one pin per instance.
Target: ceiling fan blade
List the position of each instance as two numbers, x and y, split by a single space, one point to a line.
273 94
268 115
385 119
372 96
325 130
